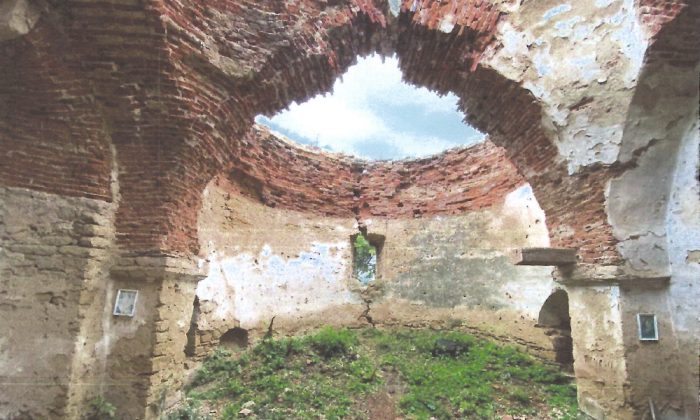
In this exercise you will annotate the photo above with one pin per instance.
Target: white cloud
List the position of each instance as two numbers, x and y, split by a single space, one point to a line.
330 121
355 112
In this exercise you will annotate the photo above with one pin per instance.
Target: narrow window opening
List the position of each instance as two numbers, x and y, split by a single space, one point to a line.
366 250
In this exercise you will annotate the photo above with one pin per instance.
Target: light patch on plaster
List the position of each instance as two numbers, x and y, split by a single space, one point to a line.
557 10
514 56
447 24
513 41
529 290
631 38
565 28
542 62
586 66
394 7
523 205
591 143
251 289
603 3
683 230
646 252
693 257
608 298
582 32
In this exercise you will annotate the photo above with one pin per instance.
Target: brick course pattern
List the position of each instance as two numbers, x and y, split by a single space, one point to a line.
172 88
283 175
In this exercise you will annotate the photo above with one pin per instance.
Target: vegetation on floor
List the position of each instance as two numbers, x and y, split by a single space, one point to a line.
333 373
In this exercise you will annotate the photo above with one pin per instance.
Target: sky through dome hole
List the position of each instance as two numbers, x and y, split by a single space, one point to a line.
373 114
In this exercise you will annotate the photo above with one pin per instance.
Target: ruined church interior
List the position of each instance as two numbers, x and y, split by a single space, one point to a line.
152 226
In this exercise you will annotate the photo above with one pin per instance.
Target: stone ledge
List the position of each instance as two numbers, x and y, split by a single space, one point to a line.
593 275
543 256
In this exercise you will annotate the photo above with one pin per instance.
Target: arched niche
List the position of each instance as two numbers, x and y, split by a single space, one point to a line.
554 316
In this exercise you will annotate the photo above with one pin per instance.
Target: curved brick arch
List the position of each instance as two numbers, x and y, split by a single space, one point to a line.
295 69
178 84
52 139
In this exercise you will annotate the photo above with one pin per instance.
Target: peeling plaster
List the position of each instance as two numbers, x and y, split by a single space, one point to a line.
565 28
556 10
591 143
637 207
609 45
252 288
447 24
631 38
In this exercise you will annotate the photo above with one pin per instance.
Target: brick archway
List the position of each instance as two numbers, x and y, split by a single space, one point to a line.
217 89
135 106
174 87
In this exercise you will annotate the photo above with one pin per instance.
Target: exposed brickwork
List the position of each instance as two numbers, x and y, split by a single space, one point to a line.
285 62
477 18
51 138
283 175
175 85
674 26
513 120
280 174
453 182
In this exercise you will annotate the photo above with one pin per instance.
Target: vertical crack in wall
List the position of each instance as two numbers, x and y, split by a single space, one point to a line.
359 169
366 294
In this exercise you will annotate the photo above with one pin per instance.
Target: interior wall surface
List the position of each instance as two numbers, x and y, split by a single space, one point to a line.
654 209
60 344
53 256
599 356
265 262
447 269
683 233
444 270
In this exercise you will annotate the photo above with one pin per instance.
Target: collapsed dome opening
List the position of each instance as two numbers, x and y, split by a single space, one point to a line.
373 114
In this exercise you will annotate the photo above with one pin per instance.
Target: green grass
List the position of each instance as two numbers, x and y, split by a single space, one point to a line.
332 373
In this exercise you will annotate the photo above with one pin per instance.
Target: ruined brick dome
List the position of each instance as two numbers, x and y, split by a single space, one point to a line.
131 165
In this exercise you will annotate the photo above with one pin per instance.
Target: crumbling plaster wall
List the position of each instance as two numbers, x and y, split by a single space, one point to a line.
579 90
679 363
53 255
456 269
61 346
662 116
654 208
599 358
624 61
265 262
683 233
